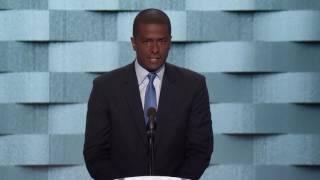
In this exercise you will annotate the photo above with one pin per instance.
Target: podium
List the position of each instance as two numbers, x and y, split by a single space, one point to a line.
152 178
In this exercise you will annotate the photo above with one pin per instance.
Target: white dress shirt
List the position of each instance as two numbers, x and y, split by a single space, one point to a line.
143 81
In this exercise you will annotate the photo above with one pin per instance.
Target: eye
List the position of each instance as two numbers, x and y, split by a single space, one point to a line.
163 41
146 41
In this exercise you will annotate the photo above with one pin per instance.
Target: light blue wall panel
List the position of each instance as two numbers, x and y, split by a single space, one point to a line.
42 118
177 54
265 88
24 25
267 149
218 26
205 5
240 59
23 4
287 26
271 26
111 5
287 88
222 87
24 150
62 87
95 56
126 53
31 57
84 4
124 25
227 149
82 25
179 25
66 149
287 150
23 119
67 118
23 172
229 171
69 172
24 87
41 149
143 4
72 172
260 172
42 87
287 172
252 57
254 119
251 5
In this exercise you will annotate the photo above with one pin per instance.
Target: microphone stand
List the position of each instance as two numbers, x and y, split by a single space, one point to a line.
150 133
151 151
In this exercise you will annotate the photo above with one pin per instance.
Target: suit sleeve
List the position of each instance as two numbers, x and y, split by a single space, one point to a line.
97 143
199 145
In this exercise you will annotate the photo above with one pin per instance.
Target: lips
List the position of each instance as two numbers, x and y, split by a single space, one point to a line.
154 60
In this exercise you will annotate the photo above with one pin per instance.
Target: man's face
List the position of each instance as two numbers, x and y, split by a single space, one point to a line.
152 44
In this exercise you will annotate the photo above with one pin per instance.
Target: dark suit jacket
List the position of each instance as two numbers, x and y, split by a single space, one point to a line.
115 138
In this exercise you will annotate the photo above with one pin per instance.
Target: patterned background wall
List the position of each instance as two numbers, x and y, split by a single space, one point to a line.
261 59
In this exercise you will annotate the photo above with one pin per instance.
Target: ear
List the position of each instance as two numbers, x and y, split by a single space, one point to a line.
133 43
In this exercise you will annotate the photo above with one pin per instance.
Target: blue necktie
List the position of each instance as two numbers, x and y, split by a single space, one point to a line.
150 99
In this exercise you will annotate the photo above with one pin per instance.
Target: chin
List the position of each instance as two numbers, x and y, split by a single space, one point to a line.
155 67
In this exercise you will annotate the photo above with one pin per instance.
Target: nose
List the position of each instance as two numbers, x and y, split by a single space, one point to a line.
155 48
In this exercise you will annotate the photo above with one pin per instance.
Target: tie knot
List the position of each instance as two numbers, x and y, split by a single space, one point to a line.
151 76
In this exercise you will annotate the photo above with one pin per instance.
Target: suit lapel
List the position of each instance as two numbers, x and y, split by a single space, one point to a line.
134 101
167 96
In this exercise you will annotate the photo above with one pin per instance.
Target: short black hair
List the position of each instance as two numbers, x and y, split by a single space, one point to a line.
151 16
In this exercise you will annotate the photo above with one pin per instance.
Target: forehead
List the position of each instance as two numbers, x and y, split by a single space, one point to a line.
152 29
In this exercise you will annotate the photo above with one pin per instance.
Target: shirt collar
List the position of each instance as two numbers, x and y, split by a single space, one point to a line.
142 72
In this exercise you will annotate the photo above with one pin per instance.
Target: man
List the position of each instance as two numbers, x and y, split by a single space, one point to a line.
116 139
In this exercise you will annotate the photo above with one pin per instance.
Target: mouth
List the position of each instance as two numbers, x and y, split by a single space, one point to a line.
154 60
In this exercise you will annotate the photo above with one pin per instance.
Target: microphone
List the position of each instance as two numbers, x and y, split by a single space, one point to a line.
151 126
151 113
